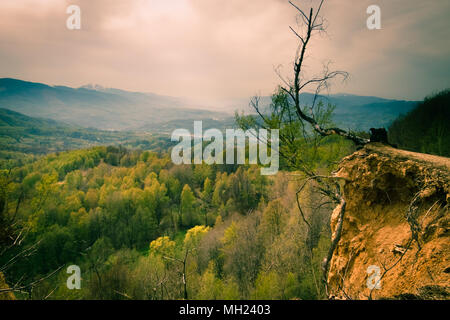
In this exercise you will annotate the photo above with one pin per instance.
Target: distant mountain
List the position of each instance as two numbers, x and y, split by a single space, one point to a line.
352 111
114 109
97 107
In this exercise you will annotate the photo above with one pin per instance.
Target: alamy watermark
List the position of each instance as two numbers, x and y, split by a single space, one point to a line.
188 151
374 278
74 281
73 22
374 20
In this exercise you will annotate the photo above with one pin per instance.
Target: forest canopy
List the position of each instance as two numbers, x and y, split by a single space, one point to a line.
137 225
425 129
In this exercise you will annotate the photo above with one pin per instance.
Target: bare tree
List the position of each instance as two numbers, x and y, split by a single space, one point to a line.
312 23
295 117
183 272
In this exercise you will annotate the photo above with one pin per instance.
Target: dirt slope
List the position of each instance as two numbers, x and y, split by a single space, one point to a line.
396 226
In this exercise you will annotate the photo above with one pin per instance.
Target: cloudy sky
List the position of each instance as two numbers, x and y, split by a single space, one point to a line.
215 49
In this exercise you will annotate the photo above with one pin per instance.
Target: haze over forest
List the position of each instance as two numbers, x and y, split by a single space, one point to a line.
90 183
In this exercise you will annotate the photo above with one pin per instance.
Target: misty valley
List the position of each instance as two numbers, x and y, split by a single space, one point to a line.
139 226
174 183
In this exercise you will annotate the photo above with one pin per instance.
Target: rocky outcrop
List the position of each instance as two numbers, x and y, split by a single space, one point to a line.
395 240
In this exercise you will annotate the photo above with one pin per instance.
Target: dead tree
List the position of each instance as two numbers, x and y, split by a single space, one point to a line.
313 23
310 23
183 263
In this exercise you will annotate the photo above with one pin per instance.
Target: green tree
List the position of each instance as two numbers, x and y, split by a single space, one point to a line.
187 207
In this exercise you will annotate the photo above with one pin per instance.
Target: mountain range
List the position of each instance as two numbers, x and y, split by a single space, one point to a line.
97 107
94 106
359 113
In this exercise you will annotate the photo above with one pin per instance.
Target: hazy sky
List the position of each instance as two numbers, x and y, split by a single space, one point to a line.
224 48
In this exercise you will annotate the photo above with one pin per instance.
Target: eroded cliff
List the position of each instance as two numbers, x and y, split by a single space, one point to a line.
395 239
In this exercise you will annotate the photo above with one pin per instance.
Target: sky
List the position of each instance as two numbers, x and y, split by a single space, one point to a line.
216 49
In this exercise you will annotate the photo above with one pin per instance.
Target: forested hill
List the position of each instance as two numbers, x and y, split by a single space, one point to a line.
425 129
118 213
21 134
9 118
